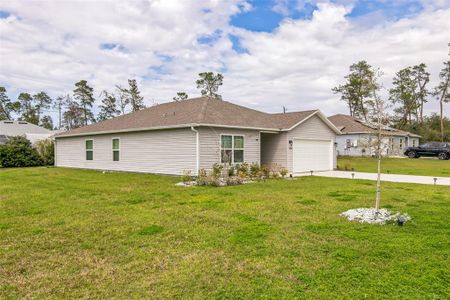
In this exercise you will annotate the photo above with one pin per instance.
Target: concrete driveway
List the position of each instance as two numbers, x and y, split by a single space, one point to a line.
384 177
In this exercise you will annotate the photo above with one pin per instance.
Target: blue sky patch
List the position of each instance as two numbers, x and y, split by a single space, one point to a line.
210 39
260 18
4 14
392 10
113 46
237 44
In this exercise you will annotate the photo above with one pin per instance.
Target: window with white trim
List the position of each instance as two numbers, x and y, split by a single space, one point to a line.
391 143
401 143
89 149
414 142
232 149
116 149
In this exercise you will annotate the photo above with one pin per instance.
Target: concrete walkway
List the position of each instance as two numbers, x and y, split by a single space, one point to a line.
384 177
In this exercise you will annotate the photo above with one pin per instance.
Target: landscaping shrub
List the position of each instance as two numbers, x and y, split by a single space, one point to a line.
46 149
187 176
283 172
18 152
243 170
202 178
235 180
217 170
265 171
255 171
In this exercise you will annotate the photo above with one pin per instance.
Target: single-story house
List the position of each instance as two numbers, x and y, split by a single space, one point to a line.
196 133
31 131
357 138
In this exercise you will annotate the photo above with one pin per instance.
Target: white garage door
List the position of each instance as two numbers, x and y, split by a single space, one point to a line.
316 155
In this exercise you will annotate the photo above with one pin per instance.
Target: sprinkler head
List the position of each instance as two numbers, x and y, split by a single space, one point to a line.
400 221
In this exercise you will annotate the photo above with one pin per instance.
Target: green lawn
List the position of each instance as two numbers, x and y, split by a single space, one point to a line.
420 166
82 234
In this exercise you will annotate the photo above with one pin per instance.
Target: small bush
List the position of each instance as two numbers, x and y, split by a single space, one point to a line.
265 171
283 172
243 170
254 170
187 176
202 177
18 152
217 170
46 149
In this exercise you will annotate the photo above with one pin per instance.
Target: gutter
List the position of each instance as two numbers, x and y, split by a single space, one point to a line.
197 150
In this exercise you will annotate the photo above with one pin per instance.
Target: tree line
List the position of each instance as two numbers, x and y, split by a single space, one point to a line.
76 109
408 95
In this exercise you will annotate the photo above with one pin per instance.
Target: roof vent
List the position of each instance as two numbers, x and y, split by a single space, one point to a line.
8 122
22 122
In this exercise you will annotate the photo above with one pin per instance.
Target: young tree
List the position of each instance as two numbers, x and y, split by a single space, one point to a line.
41 101
180 96
421 78
58 104
377 111
403 93
73 117
27 109
47 122
84 94
442 92
6 106
356 92
209 84
108 108
122 98
134 96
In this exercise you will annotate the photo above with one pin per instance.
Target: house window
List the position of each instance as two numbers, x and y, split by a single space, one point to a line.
232 149
89 149
391 143
401 143
348 143
116 149
414 142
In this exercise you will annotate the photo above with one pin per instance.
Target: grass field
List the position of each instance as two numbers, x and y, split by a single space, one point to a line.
68 233
421 166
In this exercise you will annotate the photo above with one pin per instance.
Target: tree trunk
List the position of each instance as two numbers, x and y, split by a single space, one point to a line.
441 105
377 198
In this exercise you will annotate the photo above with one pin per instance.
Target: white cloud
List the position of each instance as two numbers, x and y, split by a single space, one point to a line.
50 45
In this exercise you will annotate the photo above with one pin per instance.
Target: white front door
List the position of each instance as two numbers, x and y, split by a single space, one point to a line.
312 155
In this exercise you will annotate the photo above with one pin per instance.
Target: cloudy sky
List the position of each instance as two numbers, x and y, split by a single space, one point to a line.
271 52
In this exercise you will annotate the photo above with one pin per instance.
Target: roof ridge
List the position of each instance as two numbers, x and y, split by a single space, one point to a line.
201 115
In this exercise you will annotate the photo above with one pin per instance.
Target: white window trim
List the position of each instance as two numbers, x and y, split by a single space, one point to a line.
112 148
86 150
232 147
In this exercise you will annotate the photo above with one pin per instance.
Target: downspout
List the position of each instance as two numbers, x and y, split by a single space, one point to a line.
197 150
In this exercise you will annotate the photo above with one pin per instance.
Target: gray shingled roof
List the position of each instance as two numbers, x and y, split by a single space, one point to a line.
194 112
348 124
15 128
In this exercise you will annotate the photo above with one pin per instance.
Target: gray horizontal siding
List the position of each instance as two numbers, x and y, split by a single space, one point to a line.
274 149
210 145
162 151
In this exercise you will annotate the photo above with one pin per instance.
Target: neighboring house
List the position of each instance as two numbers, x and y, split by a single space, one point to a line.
358 138
32 132
197 133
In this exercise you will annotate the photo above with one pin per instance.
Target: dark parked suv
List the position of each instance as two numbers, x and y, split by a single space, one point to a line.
441 150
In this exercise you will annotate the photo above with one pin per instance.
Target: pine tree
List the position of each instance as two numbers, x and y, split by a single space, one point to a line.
209 84
83 93
108 108
27 109
180 96
442 92
47 122
134 96
6 106
41 101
